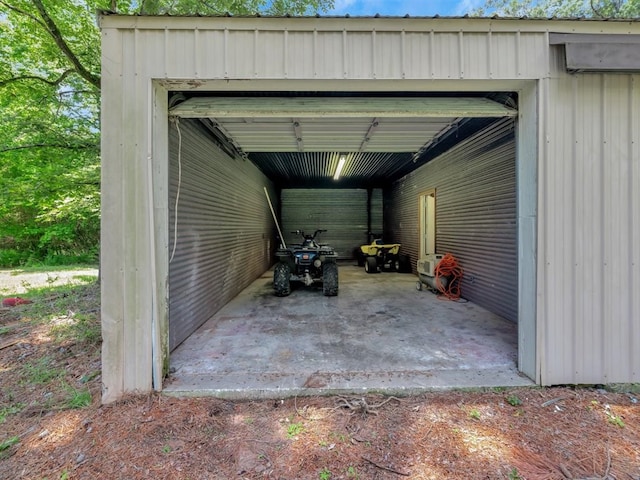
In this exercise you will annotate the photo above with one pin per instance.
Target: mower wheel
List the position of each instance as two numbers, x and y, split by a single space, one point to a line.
371 265
281 279
330 279
418 285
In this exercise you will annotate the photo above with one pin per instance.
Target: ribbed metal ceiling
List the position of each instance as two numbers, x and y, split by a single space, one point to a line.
297 141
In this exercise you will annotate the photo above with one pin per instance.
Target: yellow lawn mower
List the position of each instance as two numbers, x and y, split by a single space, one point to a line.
378 256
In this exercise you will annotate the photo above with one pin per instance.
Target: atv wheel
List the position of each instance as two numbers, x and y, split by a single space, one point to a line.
330 279
397 266
371 265
281 279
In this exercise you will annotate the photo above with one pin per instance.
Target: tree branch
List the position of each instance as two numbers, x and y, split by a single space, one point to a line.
55 33
53 83
48 145
24 12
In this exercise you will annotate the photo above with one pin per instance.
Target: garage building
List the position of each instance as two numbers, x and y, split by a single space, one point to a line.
512 143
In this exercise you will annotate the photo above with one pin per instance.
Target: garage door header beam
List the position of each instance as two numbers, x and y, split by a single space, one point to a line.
324 107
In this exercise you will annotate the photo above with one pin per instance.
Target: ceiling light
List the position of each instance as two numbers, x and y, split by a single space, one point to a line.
341 161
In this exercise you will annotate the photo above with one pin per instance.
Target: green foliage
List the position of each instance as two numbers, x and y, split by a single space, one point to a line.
77 398
514 400
514 475
8 443
294 429
324 474
10 410
41 371
561 8
50 130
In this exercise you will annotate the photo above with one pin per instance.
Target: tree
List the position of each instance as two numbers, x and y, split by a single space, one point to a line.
49 105
561 8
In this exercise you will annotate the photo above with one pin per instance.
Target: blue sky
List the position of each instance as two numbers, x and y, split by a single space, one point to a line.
426 8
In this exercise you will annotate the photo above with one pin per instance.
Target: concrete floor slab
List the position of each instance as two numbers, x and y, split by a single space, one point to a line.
379 334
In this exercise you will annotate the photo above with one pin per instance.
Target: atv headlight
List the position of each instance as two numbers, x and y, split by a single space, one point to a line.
317 263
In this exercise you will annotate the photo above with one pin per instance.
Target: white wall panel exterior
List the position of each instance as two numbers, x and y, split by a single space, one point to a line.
590 224
587 220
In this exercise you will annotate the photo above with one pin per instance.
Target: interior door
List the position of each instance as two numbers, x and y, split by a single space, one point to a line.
428 223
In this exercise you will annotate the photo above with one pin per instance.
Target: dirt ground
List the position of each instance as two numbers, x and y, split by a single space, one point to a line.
528 433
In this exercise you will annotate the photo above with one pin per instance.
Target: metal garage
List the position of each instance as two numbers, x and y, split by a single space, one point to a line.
532 154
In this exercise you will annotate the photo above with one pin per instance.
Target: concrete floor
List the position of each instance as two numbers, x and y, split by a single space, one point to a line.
379 334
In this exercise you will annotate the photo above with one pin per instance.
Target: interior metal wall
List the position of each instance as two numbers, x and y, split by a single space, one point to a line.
475 185
376 211
342 212
225 232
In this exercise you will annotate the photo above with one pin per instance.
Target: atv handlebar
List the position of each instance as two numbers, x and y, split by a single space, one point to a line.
301 232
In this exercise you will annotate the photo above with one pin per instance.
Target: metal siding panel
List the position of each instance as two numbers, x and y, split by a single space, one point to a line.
343 213
329 55
504 54
137 289
359 51
418 57
180 53
251 54
559 262
300 58
475 215
211 53
112 237
377 211
446 55
633 345
387 60
225 231
591 316
476 55
617 228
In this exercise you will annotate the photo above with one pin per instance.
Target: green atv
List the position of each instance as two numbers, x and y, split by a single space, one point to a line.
307 262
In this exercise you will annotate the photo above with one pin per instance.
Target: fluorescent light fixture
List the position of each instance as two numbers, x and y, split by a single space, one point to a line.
341 161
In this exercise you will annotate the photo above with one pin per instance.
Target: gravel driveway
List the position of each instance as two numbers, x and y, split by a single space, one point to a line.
17 282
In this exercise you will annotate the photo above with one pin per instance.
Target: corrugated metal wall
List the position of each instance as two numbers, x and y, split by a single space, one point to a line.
475 186
342 212
377 211
589 230
225 235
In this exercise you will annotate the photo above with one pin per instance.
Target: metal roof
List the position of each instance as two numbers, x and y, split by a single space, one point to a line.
378 16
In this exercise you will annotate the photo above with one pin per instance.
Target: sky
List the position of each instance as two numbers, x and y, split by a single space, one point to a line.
426 8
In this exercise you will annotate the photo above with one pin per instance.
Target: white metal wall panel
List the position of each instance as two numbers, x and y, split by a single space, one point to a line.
225 232
589 237
475 215
338 49
342 212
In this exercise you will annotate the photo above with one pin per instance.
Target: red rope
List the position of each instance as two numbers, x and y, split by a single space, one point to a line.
448 267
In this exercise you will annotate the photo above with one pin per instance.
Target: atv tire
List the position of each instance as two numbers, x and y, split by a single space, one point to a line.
371 265
281 280
330 279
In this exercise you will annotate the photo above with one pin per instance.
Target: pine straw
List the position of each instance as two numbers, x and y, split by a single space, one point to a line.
439 435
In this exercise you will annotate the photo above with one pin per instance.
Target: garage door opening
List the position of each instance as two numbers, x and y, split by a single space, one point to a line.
229 333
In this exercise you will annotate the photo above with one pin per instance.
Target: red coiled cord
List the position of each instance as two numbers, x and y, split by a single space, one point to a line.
448 267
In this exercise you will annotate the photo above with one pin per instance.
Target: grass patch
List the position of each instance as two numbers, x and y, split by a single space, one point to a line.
10 410
70 309
8 443
41 371
49 268
77 398
78 328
